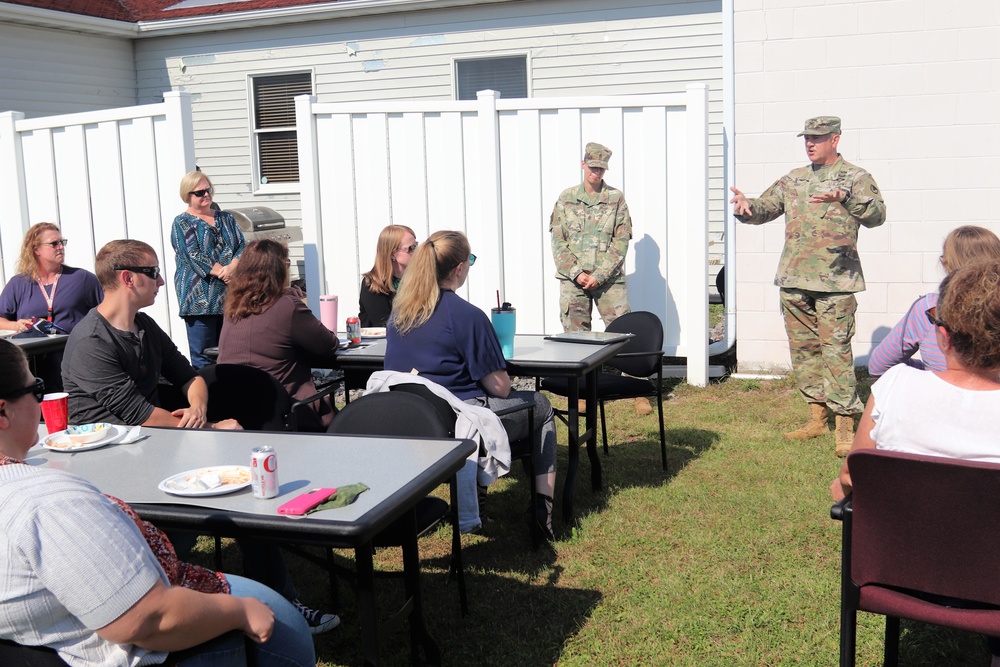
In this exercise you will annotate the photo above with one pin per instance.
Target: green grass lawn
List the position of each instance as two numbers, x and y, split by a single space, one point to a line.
730 558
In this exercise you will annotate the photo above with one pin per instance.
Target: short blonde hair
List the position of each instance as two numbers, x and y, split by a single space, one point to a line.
190 182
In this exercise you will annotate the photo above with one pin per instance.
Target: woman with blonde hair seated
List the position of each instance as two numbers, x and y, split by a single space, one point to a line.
396 245
913 333
267 326
447 340
46 288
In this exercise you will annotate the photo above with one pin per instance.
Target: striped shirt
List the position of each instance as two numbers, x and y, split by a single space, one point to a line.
911 334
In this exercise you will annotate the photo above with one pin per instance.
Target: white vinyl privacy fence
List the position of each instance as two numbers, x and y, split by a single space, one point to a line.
493 169
100 176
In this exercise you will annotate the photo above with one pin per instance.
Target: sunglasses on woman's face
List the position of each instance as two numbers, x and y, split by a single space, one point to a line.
934 319
201 193
36 388
61 243
410 249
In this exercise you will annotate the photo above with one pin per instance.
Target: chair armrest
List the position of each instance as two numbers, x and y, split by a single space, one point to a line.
524 405
841 508
324 390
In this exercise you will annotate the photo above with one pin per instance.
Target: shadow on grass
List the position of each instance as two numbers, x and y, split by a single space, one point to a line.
511 621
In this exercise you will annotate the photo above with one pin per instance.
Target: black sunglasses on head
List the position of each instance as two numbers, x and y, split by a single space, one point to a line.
37 388
151 271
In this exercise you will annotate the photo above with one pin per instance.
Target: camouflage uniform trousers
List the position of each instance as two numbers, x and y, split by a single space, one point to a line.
820 326
575 303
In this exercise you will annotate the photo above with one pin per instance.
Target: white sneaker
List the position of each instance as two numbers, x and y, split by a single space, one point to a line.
317 620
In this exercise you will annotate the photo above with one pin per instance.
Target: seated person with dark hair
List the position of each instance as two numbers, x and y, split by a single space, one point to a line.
111 368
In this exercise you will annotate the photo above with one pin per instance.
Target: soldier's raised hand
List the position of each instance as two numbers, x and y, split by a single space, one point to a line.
740 202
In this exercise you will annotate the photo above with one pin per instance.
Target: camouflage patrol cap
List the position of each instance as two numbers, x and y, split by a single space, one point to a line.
821 125
596 155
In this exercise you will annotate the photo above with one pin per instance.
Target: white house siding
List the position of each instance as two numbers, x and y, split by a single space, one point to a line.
917 83
47 72
574 48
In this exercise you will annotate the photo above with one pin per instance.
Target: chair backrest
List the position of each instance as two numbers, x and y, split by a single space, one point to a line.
389 413
926 523
444 411
647 333
249 395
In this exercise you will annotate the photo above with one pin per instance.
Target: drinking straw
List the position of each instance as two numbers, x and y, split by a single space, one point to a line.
498 300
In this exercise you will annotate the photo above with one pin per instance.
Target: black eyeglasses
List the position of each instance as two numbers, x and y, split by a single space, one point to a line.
201 193
151 271
410 249
472 259
56 244
933 318
36 388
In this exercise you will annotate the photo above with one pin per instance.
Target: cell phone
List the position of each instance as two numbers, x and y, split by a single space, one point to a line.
301 504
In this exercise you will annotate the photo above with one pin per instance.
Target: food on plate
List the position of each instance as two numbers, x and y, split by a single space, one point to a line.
372 332
210 478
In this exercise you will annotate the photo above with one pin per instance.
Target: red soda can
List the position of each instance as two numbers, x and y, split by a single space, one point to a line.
354 329
264 472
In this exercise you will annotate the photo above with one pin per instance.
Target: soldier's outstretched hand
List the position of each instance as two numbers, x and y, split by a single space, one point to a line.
826 197
741 205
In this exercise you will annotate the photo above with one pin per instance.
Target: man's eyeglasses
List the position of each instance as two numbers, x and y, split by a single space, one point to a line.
36 388
472 259
61 243
933 318
201 193
151 271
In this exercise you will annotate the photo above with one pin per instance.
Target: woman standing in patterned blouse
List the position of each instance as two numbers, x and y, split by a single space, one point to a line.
208 244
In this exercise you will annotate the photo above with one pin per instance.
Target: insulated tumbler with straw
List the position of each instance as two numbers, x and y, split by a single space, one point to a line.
505 323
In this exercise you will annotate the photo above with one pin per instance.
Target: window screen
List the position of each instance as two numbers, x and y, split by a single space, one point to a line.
507 75
274 125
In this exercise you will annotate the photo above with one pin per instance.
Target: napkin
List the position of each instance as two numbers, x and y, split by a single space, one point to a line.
345 495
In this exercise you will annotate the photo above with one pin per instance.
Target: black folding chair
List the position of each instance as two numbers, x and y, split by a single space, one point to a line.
407 415
523 449
254 398
641 358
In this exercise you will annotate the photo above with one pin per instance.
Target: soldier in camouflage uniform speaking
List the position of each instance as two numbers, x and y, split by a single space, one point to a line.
820 271
591 229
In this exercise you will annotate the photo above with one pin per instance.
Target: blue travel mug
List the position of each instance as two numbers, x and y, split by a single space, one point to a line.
505 323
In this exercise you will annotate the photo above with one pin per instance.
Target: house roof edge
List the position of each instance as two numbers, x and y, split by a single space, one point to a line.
50 18
295 14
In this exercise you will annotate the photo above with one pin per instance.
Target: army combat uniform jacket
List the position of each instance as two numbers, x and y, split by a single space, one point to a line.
590 233
821 240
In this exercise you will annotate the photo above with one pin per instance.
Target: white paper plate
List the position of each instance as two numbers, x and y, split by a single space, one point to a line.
190 483
372 332
6 332
54 441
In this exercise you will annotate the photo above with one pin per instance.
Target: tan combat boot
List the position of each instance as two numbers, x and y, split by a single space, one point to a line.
845 434
816 427
642 406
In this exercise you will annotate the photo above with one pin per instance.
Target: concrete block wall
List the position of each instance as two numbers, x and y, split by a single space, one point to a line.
917 84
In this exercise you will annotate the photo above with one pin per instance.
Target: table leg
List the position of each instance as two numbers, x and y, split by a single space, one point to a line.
573 426
366 602
411 577
591 435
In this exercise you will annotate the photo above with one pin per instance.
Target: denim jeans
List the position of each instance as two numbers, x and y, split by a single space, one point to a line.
202 331
290 644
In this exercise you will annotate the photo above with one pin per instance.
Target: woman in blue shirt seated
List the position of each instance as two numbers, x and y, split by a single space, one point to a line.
451 342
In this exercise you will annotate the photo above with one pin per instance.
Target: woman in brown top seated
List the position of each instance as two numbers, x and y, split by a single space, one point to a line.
266 325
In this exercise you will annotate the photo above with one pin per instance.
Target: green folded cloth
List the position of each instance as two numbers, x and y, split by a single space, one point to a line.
345 495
